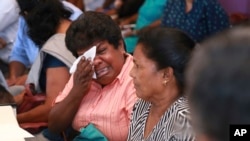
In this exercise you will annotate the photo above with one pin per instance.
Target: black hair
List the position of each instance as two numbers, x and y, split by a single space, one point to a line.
129 8
168 47
89 28
26 6
42 17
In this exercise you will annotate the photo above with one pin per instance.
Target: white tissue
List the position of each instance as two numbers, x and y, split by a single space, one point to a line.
88 54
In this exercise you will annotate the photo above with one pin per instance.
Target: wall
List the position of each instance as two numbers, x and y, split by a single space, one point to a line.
236 6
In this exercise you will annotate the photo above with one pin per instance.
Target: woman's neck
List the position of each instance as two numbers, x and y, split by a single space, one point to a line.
159 107
63 26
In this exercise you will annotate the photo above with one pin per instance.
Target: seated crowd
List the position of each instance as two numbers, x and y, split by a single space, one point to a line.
179 73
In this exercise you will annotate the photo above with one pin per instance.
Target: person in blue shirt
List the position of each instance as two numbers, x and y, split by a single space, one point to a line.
198 18
25 51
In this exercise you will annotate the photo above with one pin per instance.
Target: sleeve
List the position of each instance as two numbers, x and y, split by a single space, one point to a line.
76 12
18 52
217 18
24 49
9 13
182 127
52 62
49 62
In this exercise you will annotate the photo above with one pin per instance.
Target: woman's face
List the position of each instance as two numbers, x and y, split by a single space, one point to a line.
108 62
147 79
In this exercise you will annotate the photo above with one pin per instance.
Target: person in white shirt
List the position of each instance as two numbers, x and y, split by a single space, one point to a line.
9 13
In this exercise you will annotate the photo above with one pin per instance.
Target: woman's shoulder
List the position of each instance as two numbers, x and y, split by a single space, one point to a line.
182 129
51 61
56 37
54 43
56 47
181 108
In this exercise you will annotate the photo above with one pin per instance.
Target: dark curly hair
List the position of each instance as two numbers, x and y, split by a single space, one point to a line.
89 28
43 18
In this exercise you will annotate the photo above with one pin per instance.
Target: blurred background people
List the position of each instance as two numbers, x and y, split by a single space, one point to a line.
25 51
120 9
93 5
145 17
162 112
2 81
198 18
128 8
9 13
218 81
47 22
77 3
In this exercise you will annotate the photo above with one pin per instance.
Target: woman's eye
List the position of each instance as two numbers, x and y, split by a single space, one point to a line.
101 51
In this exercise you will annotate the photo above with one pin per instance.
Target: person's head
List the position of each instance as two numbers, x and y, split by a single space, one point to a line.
43 18
160 59
94 28
218 81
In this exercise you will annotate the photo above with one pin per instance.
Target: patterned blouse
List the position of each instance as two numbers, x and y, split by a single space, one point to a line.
174 125
205 18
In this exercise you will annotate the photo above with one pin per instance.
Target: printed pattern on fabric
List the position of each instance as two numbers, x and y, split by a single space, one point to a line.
174 124
205 18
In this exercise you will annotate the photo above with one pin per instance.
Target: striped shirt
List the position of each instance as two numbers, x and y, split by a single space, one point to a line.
174 125
108 108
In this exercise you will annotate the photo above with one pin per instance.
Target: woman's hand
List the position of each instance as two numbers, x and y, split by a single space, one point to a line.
83 75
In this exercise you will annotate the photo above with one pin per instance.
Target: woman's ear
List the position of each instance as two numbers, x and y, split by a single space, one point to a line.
168 73
121 46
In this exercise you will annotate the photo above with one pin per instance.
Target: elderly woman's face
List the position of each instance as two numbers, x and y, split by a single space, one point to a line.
147 79
108 62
